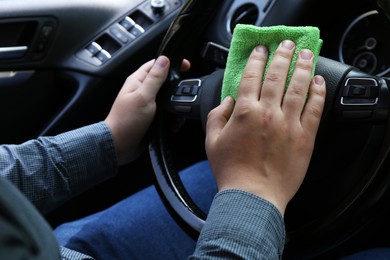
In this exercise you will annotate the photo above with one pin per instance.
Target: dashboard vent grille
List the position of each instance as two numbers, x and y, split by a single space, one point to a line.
246 14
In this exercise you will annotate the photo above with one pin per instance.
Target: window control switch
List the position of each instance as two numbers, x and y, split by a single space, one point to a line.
94 48
137 30
127 23
103 56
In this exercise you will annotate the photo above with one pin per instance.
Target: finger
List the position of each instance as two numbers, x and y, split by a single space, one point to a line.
296 94
217 119
155 78
140 74
135 79
185 65
252 75
312 112
276 76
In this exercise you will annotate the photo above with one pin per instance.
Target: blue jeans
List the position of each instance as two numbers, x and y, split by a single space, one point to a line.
140 227
375 253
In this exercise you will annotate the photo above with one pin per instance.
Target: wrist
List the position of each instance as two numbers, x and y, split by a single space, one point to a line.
118 144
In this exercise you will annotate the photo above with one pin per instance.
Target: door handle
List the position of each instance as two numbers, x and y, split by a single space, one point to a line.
14 78
12 52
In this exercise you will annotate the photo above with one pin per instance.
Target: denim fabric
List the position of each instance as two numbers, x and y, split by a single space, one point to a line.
50 169
140 227
375 253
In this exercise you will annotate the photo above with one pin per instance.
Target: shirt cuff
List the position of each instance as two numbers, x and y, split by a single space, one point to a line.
88 154
243 225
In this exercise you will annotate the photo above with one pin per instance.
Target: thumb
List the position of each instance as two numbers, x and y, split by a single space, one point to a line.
155 77
217 119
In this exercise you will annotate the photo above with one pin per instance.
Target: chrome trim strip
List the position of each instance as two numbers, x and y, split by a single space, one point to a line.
13 49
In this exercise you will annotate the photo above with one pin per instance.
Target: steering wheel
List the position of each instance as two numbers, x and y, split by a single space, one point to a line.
346 176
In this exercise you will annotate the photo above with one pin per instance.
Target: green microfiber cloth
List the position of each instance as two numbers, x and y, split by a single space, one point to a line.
247 37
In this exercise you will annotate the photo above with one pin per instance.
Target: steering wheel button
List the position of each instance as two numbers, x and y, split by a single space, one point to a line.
358 90
357 114
185 99
195 90
348 101
182 109
186 90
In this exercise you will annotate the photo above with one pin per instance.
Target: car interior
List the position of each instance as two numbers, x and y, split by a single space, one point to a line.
62 64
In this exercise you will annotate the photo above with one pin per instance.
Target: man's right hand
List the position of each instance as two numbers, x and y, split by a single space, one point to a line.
263 143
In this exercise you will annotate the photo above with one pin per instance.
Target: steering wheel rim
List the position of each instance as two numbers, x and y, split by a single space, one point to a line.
195 15
335 73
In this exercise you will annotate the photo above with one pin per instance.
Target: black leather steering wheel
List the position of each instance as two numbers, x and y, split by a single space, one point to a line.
346 175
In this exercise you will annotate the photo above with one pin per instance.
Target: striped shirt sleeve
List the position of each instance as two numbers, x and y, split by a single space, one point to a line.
241 225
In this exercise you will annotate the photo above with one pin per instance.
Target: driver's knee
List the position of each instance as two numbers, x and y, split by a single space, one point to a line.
375 253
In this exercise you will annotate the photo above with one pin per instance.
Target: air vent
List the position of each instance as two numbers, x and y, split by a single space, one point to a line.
246 14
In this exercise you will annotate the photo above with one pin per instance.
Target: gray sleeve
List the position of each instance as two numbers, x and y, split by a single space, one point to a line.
50 170
241 225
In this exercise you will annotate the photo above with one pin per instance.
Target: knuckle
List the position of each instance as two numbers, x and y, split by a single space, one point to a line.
212 114
273 76
242 111
297 91
250 75
316 111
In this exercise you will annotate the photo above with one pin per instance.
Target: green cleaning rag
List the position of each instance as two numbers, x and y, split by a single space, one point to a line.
247 37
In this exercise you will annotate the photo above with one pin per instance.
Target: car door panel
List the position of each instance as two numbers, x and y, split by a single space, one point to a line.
49 82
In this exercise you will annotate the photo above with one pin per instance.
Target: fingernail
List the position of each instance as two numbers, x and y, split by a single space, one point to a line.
319 80
261 49
306 54
161 62
288 44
